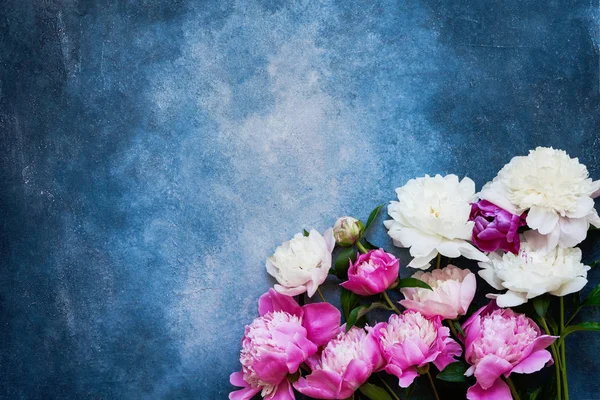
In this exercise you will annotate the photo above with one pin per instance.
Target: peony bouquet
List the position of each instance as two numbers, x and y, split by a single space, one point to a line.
522 228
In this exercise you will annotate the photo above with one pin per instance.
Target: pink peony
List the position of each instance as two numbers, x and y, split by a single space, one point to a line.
499 342
453 291
372 273
411 340
343 366
495 228
278 341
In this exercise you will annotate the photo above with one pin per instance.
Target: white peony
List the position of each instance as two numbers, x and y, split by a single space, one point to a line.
532 273
431 216
557 191
302 264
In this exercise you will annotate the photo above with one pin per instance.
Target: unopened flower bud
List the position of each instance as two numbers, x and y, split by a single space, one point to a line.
347 230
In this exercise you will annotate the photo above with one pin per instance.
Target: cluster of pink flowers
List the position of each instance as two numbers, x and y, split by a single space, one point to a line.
521 228
286 336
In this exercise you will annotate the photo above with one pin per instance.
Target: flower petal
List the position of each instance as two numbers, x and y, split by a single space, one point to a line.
423 262
498 391
357 372
543 341
237 379
452 350
572 231
271 368
407 377
572 286
243 394
284 391
450 248
489 369
469 251
430 308
542 243
534 362
329 239
509 299
274 301
297 351
419 242
489 275
320 384
362 286
495 192
584 206
321 321
542 219
290 291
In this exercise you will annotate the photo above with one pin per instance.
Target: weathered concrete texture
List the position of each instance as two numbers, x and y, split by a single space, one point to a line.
154 153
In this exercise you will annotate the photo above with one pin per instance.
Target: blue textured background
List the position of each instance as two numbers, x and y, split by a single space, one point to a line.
154 153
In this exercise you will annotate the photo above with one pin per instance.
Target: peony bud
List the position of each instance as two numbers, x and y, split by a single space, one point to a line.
347 230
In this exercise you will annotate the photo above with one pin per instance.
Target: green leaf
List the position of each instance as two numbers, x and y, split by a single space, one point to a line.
584 326
342 262
369 246
413 282
593 298
594 263
534 395
454 372
349 301
458 327
372 216
306 233
552 324
360 311
373 392
540 304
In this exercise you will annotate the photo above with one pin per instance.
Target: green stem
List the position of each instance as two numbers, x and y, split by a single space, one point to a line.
439 261
361 248
321 295
435 393
390 302
557 362
513 389
562 349
394 395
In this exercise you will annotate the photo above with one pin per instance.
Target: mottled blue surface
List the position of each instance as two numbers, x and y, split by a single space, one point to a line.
154 153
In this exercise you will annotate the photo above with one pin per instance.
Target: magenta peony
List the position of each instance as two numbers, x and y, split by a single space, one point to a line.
453 291
411 340
343 366
495 228
278 341
500 342
372 273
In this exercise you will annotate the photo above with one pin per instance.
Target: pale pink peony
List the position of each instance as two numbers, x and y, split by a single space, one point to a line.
500 342
453 291
278 341
372 273
411 340
343 366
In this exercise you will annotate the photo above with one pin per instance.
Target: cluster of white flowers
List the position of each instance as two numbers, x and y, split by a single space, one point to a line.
552 190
